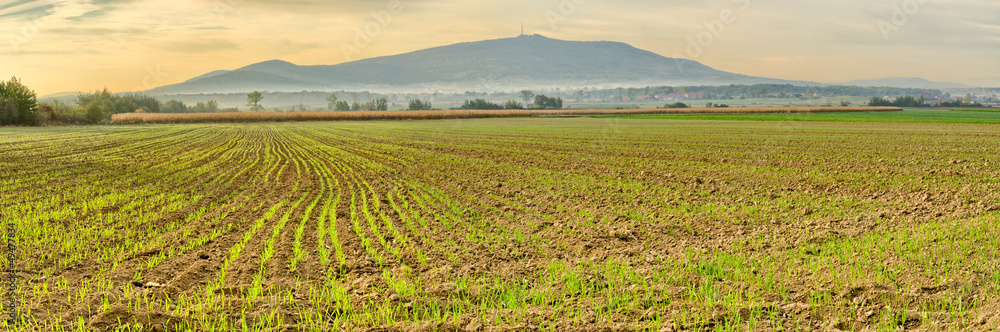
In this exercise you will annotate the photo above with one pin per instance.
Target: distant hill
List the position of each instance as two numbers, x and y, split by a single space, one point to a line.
209 75
65 97
907 82
60 95
493 65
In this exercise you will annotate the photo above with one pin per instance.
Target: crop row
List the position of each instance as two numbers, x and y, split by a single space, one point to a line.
548 223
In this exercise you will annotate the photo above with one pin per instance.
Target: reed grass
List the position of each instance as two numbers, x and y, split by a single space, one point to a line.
164 118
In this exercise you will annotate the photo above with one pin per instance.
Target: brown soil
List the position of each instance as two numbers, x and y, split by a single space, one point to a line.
503 201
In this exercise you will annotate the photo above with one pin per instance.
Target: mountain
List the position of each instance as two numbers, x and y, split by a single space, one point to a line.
907 82
209 75
530 61
985 81
60 95
65 97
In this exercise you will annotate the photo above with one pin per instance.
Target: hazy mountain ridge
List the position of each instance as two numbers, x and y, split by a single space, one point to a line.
907 82
491 65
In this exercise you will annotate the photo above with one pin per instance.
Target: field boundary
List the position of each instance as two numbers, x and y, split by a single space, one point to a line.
723 110
177 118
985 110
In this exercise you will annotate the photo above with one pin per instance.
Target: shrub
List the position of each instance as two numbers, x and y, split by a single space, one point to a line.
480 104
418 105
8 113
543 102
513 105
94 113
342 106
24 104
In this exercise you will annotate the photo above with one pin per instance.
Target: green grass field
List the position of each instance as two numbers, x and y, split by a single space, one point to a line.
517 224
751 102
906 116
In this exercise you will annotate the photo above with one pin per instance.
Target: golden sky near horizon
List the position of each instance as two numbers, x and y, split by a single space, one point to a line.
124 45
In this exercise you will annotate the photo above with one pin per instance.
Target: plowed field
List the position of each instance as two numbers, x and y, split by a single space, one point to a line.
505 224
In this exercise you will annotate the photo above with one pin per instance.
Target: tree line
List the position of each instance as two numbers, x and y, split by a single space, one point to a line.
910 101
619 95
18 104
741 91
333 104
99 106
540 102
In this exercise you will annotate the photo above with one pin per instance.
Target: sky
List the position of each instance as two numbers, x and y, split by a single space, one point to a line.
129 45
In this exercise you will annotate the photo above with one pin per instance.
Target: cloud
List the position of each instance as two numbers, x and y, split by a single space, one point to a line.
73 10
24 10
200 46
817 40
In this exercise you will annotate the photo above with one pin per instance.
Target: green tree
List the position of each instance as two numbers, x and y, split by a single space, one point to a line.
355 107
879 101
380 104
513 105
540 101
121 103
543 102
480 104
100 98
527 95
555 103
418 105
63 113
24 100
46 113
253 100
331 101
174 106
210 106
342 106
141 102
94 113
8 113
904 101
618 96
